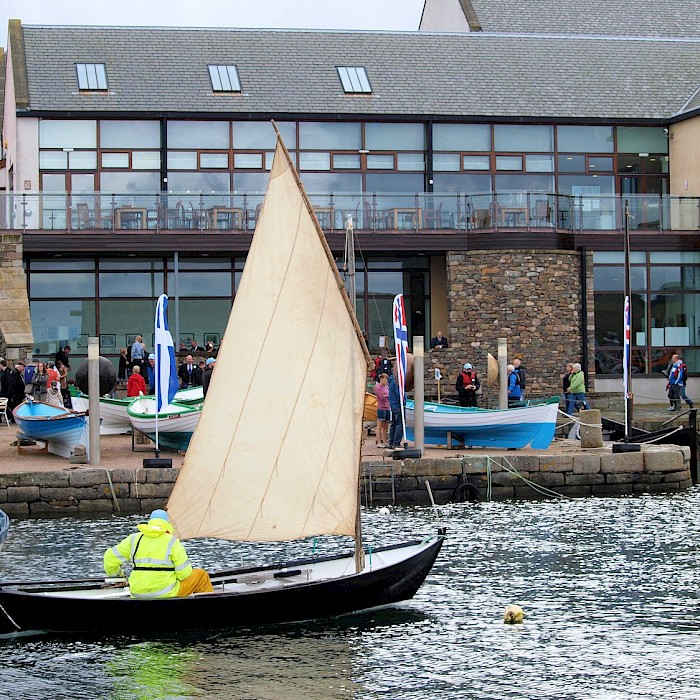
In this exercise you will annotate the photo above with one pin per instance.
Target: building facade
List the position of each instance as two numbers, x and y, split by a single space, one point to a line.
488 176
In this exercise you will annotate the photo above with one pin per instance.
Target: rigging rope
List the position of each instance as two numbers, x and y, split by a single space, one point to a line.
508 467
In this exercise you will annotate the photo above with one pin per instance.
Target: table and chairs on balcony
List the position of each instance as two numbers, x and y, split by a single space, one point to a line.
381 212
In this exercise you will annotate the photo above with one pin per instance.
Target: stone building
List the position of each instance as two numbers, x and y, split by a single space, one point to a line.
485 162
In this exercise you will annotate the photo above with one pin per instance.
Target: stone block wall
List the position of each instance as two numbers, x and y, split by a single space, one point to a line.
531 297
599 472
16 340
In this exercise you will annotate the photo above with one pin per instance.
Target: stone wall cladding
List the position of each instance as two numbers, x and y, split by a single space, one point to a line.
531 297
657 469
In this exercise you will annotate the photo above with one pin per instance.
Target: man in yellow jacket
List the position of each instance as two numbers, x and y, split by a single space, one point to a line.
159 564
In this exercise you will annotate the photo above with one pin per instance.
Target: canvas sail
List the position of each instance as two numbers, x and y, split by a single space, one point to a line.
276 453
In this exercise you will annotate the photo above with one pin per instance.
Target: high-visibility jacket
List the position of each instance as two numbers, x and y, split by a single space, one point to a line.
158 560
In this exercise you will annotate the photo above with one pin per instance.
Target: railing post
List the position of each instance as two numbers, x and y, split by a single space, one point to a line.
415 216
493 208
245 213
468 209
24 213
527 213
159 212
661 214
374 212
69 212
114 211
331 212
201 212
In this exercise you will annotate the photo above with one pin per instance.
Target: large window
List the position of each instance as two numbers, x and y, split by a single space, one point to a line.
665 309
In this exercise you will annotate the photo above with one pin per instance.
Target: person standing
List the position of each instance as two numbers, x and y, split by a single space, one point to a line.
438 342
514 392
577 389
675 383
15 388
136 384
151 373
381 391
565 385
206 375
4 377
138 353
63 383
159 564
40 380
520 369
467 385
684 376
189 373
396 431
123 366
62 356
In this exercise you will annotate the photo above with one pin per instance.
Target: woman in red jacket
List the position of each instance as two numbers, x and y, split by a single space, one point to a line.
136 384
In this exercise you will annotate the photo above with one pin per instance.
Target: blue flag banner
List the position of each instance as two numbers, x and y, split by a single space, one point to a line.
165 371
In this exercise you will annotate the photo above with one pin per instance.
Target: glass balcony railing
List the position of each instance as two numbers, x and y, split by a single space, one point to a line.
424 213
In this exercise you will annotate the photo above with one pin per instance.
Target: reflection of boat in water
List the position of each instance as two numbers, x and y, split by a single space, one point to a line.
270 460
516 427
176 421
60 428
4 527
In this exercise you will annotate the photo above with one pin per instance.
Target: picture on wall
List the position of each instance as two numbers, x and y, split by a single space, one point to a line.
82 340
185 341
212 338
130 338
108 340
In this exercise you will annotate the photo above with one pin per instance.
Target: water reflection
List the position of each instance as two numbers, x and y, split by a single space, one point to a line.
609 589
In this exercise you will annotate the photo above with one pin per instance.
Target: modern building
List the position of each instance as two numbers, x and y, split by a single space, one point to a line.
488 164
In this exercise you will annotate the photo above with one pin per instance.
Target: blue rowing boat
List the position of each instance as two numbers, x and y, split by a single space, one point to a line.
517 427
59 427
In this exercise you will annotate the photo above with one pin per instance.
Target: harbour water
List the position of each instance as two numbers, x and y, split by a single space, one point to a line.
609 588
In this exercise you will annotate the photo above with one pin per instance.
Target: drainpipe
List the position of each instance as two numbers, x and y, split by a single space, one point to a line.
584 315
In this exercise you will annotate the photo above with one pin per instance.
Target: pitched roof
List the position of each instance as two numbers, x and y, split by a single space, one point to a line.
477 75
650 18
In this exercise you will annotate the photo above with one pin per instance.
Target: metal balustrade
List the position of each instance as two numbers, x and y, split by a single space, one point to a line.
376 212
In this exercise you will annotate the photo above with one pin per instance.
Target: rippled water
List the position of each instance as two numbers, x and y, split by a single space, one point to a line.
609 588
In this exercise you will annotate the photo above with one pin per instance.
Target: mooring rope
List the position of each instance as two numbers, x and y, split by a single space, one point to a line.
573 419
508 467
111 485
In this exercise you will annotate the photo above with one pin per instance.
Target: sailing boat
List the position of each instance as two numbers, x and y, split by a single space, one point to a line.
275 455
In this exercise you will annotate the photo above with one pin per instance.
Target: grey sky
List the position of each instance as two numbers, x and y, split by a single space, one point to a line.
311 14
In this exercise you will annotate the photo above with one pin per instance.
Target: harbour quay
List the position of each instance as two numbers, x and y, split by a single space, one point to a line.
40 485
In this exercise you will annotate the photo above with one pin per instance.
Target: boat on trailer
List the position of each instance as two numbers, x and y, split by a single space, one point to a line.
516 427
270 460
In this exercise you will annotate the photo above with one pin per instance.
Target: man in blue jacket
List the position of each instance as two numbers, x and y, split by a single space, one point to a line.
396 431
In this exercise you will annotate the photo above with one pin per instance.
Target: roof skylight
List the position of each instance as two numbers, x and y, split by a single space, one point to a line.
224 79
91 76
354 79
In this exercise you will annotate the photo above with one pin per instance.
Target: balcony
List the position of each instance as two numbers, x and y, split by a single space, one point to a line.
425 213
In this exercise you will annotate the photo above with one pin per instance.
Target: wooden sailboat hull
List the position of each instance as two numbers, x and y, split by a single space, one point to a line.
176 422
480 427
299 590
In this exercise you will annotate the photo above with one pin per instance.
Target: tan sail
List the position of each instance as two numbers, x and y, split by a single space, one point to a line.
275 455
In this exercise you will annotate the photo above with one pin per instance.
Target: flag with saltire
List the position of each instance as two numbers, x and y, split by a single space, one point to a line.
401 346
165 370
626 349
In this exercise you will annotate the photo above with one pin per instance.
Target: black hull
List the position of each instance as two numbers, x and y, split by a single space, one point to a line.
24 611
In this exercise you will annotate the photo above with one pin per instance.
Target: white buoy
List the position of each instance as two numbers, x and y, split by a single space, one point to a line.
513 615
385 512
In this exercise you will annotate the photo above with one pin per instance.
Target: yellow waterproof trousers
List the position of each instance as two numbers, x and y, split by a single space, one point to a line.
197 582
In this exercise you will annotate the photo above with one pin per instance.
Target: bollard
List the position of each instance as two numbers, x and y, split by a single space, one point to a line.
591 428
